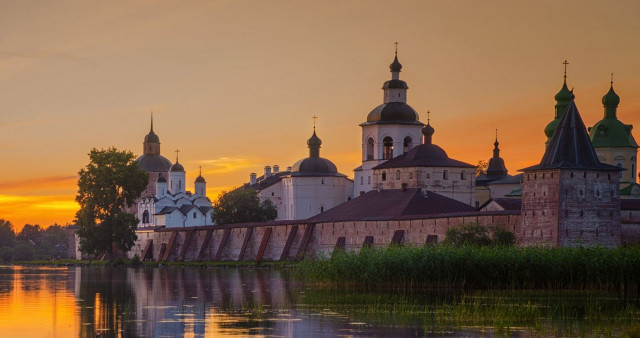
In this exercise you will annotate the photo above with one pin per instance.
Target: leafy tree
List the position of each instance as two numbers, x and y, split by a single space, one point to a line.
502 237
481 167
468 234
242 205
110 182
30 232
23 251
7 235
475 234
6 253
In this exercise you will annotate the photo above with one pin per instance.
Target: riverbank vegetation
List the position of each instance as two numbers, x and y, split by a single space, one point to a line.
32 242
472 267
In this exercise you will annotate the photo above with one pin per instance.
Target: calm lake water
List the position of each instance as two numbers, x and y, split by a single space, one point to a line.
213 302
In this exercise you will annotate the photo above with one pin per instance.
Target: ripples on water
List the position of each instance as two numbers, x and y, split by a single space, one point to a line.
159 302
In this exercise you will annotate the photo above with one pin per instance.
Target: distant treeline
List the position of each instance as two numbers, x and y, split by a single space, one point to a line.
479 267
32 242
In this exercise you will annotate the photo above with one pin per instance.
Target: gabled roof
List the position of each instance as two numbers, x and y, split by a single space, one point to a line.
166 210
386 204
505 203
570 146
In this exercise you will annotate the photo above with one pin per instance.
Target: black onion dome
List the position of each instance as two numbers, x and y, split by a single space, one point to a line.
314 166
177 167
153 163
200 179
428 130
395 66
393 112
314 140
151 138
161 179
424 155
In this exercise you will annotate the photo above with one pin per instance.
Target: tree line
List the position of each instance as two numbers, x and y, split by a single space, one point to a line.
32 242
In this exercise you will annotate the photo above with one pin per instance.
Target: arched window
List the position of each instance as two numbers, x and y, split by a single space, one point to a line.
321 209
194 215
407 144
370 149
445 175
619 165
145 217
388 148
384 176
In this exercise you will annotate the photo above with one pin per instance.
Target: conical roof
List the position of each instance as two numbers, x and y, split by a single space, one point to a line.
570 146
395 66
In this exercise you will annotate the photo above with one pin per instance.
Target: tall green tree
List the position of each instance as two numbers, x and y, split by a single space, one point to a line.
110 182
7 235
30 232
242 205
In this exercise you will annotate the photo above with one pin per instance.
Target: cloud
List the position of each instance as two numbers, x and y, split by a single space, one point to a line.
54 182
225 165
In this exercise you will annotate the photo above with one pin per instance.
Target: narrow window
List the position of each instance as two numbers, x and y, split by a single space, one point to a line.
384 176
194 215
397 174
462 177
388 148
361 180
411 175
445 175
619 165
321 209
572 174
370 149
145 217
368 179
407 144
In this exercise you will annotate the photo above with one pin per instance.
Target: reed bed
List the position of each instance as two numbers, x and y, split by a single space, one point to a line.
445 267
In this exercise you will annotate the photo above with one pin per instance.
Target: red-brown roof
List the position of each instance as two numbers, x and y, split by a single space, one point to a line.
392 203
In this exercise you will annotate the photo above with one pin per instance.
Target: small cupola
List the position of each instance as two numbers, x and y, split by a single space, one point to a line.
610 101
427 131
314 144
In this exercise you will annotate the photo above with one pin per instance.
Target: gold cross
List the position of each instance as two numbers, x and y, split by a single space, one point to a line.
314 121
396 43
565 63
612 79
177 153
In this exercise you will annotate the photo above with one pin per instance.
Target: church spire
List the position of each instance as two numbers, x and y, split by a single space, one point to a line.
563 99
151 144
427 131
496 165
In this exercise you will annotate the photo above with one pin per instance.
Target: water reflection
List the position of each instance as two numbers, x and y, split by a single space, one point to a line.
157 302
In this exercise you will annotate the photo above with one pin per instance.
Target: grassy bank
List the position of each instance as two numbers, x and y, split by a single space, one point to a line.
442 267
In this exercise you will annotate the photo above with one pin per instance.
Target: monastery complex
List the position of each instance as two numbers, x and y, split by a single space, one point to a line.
407 190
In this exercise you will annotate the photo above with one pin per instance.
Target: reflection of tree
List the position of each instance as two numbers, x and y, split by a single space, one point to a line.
107 300
7 280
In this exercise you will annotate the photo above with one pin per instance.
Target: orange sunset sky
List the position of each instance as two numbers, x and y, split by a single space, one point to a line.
233 84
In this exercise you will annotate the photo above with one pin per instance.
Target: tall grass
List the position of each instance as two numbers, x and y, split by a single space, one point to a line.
445 267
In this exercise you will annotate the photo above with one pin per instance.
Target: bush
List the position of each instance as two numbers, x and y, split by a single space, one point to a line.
23 251
468 234
6 253
502 237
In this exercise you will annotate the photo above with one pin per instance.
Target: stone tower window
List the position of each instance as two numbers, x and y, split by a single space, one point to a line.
145 217
462 177
397 174
388 148
370 149
572 174
445 175
384 176
407 144
585 174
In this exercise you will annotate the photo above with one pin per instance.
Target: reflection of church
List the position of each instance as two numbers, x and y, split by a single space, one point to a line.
166 202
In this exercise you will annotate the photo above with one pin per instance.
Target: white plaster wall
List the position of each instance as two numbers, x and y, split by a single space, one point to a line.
274 194
308 196
625 156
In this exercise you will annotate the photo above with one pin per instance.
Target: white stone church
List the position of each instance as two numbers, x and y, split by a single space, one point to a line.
166 202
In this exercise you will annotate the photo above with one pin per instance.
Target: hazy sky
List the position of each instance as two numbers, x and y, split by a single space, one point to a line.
233 84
